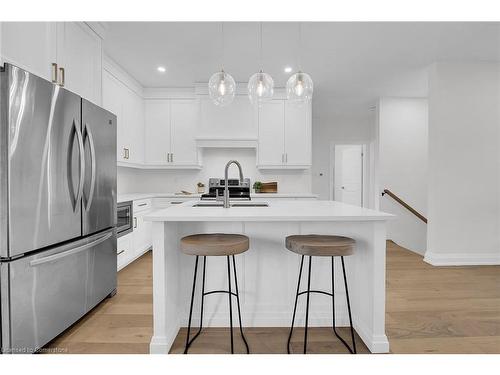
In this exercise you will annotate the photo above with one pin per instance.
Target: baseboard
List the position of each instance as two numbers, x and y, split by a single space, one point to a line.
460 259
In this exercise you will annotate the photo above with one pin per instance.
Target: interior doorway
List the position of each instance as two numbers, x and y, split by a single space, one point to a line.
347 171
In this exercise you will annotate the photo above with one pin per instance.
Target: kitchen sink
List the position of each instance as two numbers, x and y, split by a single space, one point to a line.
234 204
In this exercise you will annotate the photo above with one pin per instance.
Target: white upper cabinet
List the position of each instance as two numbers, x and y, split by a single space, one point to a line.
112 101
271 147
298 139
31 46
157 131
170 129
79 53
184 117
67 53
234 121
284 137
129 110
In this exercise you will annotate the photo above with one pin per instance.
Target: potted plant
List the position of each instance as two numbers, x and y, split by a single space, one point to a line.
257 185
201 187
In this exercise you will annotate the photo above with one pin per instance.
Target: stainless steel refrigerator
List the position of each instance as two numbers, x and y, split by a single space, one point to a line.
57 209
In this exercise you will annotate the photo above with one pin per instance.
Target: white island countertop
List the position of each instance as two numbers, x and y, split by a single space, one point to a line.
136 196
276 211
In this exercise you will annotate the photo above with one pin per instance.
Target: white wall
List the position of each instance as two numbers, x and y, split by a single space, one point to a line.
214 160
336 129
402 167
464 164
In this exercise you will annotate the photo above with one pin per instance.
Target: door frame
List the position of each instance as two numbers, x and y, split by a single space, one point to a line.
364 169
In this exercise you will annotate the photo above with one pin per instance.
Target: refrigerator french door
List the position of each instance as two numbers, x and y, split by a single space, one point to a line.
57 208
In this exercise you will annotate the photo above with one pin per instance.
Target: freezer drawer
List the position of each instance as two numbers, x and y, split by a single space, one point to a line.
49 291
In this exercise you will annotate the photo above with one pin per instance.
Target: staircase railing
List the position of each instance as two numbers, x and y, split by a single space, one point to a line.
405 205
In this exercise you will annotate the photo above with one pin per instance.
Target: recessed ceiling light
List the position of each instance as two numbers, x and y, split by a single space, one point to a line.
288 69
161 69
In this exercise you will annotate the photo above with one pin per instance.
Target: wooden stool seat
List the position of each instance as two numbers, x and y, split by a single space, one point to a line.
216 244
320 245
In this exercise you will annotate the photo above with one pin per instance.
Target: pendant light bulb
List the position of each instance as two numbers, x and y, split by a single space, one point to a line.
299 87
260 87
221 88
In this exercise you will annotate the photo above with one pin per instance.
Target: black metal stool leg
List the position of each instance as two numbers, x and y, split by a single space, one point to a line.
295 306
230 304
238 303
191 306
353 350
348 307
307 304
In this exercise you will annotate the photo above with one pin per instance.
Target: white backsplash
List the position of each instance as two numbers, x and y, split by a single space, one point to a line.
131 180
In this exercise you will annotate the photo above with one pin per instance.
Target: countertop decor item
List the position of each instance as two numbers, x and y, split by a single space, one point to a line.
257 185
201 187
269 187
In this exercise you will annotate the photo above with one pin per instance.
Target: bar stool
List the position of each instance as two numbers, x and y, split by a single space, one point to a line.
321 246
204 245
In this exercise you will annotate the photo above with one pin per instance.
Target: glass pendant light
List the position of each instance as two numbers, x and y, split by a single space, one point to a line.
260 85
299 86
221 85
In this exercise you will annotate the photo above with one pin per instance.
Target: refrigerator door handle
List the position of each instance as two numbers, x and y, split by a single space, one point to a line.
82 164
51 258
88 134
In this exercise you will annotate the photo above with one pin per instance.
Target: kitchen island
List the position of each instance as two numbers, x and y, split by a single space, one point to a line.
267 272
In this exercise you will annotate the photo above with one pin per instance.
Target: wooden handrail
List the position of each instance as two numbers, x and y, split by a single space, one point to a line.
405 205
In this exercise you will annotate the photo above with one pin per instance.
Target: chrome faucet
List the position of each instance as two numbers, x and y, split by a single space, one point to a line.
226 187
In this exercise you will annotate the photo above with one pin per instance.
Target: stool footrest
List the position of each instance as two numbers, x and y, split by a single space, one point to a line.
316 291
220 291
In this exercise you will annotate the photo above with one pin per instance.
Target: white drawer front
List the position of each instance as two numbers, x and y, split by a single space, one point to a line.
169 202
142 205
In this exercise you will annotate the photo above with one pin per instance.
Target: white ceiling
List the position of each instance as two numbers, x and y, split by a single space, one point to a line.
351 63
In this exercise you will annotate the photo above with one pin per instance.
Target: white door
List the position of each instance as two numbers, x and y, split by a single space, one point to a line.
271 133
297 134
348 174
183 122
79 52
157 137
30 46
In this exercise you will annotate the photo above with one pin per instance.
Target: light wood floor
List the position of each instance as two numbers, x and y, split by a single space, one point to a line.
429 310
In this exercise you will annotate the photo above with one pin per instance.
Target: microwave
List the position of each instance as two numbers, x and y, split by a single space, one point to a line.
124 213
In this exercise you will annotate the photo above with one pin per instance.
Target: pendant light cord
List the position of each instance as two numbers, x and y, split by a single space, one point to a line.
261 60
222 45
300 47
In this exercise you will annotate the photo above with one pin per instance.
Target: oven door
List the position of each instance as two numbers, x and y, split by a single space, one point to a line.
124 218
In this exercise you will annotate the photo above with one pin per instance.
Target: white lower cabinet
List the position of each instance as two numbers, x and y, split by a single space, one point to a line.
124 251
133 245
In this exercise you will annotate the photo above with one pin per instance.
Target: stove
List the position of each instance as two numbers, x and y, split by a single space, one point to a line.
237 191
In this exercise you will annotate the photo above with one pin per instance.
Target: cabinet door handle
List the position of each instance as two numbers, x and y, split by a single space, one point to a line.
54 73
172 157
126 153
135 222
63 78
120 252
286 157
